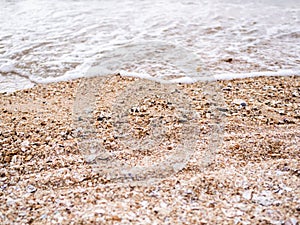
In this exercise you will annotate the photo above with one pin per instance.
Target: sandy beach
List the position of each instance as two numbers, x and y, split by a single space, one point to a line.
254 178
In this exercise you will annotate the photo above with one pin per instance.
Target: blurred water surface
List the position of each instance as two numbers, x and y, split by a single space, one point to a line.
41 39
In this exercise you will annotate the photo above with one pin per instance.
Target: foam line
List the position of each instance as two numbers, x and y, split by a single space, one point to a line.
231 76
186 80
224 76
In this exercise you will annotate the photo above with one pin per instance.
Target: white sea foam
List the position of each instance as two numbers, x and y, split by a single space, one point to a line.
184 80
7 67
51 41
224 76
230 76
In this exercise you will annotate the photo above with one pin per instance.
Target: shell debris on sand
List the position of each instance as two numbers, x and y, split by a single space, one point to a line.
253 180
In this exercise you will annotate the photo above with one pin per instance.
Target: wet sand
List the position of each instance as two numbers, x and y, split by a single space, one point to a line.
254 179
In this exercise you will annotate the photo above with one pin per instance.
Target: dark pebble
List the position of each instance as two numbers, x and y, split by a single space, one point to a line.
100 118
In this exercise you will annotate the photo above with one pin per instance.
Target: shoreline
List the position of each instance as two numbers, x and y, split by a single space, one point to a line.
31 82
254 179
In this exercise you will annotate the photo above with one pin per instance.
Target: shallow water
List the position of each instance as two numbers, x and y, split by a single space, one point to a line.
61 39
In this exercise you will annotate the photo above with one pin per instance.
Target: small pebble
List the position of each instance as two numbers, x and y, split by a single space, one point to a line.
243 104
247 194
239 102
31 189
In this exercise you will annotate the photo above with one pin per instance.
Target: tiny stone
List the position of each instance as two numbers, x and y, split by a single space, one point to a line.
240 102
28 158
281 112
243 104
100 118
22 214
295 94
247 194
44 216
7 158
25 143
227 88
31 189
10 201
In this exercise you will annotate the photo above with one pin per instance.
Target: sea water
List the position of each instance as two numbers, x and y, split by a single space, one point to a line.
48 41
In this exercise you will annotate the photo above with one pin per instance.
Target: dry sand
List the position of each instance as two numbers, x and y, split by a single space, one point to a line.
255 177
